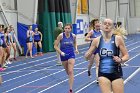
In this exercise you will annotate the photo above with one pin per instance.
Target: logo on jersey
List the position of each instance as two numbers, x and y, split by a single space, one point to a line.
106 52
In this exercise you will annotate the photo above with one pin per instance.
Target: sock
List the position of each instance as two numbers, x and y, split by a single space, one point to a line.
40 49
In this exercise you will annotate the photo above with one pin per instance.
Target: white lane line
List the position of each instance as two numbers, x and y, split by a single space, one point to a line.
132 43
61 82
39 59
133 48
85 86
41 78
33 66
44 59
32 72
132 75
46 69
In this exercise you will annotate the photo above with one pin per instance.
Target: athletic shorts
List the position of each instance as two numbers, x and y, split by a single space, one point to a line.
111 76
28 40
4 45
68 56
96 51
36 40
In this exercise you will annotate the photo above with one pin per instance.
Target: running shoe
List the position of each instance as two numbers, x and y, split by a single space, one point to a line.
89 74
70 91
97 82
15 59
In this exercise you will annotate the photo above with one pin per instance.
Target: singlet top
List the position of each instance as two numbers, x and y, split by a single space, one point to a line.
1 41
12 34
106 52
30 35
95 34
37 36
8 38
67 44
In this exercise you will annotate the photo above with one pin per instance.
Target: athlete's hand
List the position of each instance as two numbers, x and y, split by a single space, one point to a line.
76 51
87 55
62 54
117 59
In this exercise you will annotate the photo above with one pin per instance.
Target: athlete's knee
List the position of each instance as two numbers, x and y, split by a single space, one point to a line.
70 72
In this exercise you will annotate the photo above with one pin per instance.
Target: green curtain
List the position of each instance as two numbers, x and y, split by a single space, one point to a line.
50 12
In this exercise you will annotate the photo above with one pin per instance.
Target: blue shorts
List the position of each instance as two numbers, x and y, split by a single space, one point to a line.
4 45
67 56
96 51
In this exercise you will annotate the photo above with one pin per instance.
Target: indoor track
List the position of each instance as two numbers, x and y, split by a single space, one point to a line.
42 75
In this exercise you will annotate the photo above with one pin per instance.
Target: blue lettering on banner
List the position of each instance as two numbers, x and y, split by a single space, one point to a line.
80 26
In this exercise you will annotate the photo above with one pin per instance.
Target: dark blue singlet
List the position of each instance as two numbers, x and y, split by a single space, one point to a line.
37 37
1 41
67 46
95 35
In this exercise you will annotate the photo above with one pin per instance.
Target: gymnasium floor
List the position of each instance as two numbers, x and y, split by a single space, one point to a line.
42 75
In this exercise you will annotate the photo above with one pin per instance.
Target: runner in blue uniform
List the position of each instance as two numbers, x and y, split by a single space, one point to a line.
38 40
1 52
95 32
110 71
67 50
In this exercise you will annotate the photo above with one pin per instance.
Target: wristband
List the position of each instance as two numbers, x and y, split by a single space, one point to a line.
121 59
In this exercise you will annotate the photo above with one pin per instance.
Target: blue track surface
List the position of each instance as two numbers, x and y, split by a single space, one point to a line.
42 75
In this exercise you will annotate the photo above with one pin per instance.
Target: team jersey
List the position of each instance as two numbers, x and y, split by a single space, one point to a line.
95 34
37 36
30 35
106 52
8 38
67 44
12 34
1 41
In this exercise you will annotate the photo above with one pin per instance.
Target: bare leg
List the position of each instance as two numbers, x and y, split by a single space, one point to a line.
118 85
70 71
105 85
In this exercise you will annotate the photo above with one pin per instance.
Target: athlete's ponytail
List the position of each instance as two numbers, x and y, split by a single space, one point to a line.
120 31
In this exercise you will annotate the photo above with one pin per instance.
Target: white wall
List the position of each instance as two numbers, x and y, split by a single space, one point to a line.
26 10
94 9
12 18
134 25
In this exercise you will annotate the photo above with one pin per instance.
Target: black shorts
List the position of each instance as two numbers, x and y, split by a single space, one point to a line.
4 45
111 76
28 40
36 40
